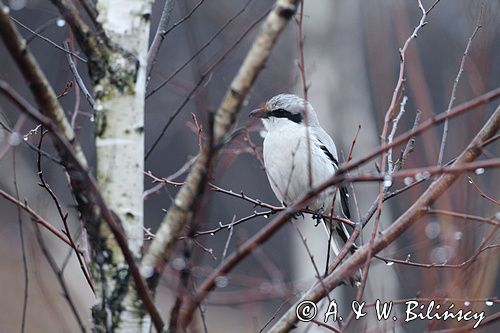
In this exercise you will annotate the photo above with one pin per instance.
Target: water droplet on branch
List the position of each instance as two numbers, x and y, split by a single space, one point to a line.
60 22
221 281
387 181
479 171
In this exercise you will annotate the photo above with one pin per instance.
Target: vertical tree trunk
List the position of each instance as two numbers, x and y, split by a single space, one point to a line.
120 161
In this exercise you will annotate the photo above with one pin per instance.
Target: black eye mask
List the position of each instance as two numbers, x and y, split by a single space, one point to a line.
282 113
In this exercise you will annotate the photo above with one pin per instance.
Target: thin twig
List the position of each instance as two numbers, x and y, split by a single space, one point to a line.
182 170
305 88
224 119
78 78
23 249
311 257
481 193
462 216
410 144
395 122
160 34
57 46
42 28
32 146
38 83
199 83
62 215
231 225
91 44
229 236
60 278
35 217
456 111
455 85
435 190
383 187
185 18
199 51
436 265
86 187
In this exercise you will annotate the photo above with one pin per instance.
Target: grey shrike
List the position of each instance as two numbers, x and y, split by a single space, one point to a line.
288 119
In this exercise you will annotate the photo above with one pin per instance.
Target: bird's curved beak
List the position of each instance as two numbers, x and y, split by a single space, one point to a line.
259 113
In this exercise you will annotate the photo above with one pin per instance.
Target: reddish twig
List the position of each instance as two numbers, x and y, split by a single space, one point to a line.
36 218
435 265
62 215
85 186
435 190
481 193
462 216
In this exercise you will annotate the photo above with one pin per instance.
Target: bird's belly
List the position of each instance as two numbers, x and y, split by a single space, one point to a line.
286 158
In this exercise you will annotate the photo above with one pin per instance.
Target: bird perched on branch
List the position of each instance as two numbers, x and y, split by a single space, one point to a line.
298 156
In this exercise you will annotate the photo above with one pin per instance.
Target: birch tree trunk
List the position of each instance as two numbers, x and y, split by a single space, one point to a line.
120 161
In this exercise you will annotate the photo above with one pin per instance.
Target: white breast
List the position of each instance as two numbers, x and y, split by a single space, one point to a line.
286 160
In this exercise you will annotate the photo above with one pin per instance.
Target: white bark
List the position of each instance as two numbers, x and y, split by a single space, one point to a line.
120 149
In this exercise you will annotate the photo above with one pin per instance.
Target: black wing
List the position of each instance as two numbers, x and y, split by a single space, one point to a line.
344 201
344 195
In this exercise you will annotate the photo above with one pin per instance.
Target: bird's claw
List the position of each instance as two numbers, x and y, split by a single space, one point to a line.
318 216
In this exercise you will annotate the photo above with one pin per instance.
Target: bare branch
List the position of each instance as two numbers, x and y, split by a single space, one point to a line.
177 216
40 87
171 227
36 217
409 145
481 193
185 18
398 227
455 85
160 34
458 110
435 190
78 78
59 47
201 79
462 216
31 145
89 197
60 278
90 45
62 215
200 50
390 164
252 65
435 265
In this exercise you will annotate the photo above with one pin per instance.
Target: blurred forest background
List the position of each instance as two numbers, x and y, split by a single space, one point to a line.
351 62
